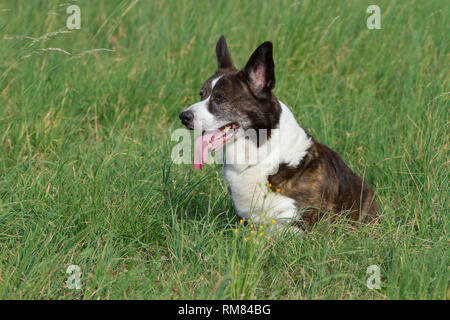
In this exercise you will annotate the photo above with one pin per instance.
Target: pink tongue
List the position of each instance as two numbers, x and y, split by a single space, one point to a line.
201 149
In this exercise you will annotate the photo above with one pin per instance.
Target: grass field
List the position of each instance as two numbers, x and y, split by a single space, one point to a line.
86 176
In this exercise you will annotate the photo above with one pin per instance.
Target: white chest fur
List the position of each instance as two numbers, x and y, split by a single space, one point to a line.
252 198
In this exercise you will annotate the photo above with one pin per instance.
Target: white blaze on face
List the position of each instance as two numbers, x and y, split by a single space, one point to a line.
203 119
213 83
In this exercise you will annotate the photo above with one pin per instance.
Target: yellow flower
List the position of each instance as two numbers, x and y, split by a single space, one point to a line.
273 221
277 189
235 272
251 225
269 185
245 239
261 227
241 221
261 233
235 230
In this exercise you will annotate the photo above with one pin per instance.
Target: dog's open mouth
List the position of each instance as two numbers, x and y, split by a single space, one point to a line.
211 140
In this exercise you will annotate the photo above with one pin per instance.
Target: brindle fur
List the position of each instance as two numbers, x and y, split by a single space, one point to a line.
322 184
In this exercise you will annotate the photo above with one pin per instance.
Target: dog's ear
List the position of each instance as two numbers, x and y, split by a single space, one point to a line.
224 60
260 70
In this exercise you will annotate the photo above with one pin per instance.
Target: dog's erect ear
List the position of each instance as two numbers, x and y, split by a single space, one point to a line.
260 70
224 60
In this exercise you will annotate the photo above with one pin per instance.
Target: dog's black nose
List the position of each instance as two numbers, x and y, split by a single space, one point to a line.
186 117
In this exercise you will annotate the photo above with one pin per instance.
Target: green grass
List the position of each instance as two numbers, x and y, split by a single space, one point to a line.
86 176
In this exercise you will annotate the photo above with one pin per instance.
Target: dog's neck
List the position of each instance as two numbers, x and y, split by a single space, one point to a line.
287 144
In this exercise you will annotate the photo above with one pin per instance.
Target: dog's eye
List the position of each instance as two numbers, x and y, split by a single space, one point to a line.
218 99
201 94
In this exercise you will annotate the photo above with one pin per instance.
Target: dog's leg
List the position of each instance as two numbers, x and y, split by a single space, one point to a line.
254 200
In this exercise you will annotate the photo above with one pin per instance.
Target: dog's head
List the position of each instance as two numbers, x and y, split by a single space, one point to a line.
234 103
233 98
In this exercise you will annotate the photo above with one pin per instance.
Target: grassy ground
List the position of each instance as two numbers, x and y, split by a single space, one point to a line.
86 176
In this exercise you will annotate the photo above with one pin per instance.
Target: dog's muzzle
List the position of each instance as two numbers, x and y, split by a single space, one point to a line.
187 118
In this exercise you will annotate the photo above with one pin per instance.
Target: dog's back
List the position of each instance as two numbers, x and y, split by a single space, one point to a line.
322 183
